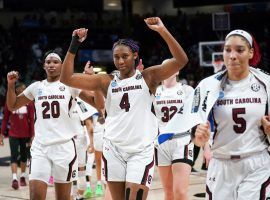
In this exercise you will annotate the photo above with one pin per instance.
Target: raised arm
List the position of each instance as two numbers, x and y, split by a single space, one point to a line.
78 80
13 101
179 59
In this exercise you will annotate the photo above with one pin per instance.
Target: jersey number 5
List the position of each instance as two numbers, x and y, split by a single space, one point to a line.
124 104
241 123
54 107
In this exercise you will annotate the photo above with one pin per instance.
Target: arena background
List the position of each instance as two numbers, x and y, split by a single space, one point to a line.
28 28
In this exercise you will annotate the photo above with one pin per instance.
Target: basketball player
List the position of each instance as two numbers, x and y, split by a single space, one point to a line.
99 128
81 114
20 133
128 143
174 157
53 149
239 168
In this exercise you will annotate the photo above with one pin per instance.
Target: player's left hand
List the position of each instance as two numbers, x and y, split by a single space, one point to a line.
154 23
88 69
266 124
140 66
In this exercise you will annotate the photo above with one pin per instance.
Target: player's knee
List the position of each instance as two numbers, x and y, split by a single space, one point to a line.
180 192
137 196
81 183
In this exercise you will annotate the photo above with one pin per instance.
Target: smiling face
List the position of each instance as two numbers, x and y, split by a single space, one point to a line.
52 67
236 55
124 60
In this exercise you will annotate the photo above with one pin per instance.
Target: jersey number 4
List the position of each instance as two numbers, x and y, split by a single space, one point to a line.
50 109
241 123
124 104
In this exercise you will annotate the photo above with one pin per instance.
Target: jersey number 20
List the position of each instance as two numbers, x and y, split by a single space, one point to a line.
50 109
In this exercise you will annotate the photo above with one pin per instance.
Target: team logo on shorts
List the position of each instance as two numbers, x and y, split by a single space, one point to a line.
190 153
255 87
149 179
114 84
73 173
138 76
179 92
62 88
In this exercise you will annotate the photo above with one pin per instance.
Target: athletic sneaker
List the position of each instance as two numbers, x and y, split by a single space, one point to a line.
99 190
15 184
88 193
22 181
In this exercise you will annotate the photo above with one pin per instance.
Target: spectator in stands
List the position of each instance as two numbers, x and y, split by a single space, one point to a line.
20 133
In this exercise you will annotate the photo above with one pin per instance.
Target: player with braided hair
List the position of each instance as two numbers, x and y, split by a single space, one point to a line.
130 125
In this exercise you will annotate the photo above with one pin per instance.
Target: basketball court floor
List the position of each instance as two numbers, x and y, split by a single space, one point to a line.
196 189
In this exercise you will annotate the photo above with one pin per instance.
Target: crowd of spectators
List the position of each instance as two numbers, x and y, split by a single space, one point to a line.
24 42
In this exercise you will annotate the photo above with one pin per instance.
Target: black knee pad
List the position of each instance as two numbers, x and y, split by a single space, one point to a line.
139 194
127 193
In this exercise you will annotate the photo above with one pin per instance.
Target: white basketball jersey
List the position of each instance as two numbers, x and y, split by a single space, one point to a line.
169 101
81 112
53 103
130 123
237 115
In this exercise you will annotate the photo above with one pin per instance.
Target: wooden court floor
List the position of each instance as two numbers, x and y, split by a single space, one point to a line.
196 189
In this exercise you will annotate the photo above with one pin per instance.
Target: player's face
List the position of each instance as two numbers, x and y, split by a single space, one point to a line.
20 89
52 67
124 59
236 54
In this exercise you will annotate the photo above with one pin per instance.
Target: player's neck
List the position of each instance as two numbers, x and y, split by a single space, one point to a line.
169 83
53 78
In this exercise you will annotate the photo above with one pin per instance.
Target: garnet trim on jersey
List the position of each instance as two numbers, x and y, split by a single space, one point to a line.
146 172
72 162
263 189
209 193
105 172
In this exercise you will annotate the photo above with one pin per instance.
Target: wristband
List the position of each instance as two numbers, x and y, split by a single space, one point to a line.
74 44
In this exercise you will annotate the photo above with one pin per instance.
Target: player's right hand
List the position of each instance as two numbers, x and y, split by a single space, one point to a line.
12 77
202 134
81 33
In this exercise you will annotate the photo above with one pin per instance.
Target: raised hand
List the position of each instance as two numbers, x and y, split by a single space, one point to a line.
12 77
154 23
88 69
140 66
81 33
202 134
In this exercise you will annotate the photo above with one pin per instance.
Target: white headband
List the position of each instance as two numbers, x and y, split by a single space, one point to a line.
55 55
242 33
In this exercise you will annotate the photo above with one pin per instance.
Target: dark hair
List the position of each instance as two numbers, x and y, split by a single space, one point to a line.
254 61
53 51
133 45
19 84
